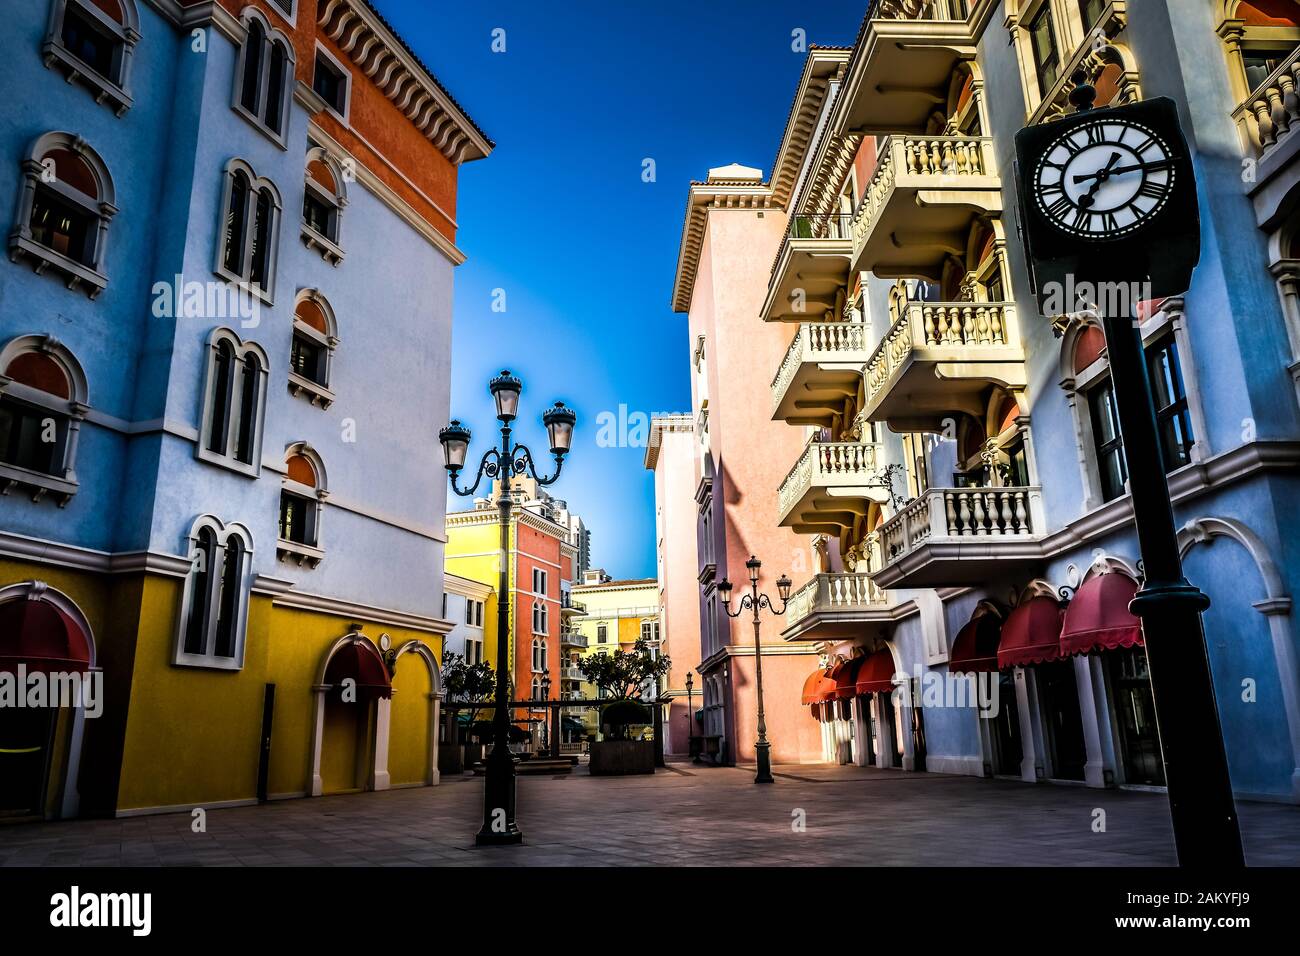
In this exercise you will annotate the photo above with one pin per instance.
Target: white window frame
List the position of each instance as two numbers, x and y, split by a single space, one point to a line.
242 279
223 533
271 36
242 351
290 16
347 83
329 247
113 91
35 176
309 554
63 484
317 393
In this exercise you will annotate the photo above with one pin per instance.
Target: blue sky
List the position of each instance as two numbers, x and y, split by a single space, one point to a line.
560 219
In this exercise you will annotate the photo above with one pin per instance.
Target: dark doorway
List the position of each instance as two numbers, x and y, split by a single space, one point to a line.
1004 728
1058 694
264 753
25 737
1135 716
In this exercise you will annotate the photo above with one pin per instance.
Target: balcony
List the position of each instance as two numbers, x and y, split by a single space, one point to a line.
830 486
918 207
569 672
834 607
1269 119
822 366
903 64
572 639
811 267
961 536
938 358
570 608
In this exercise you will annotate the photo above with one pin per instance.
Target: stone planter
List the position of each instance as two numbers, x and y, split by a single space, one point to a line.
611 758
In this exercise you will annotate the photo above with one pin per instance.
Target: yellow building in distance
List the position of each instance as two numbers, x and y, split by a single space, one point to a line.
615 614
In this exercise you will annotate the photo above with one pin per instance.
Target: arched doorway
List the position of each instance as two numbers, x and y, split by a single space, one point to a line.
413 717
353 682
42 631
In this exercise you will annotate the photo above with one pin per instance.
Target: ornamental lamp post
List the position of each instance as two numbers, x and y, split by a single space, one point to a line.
504 463
756 601
690 717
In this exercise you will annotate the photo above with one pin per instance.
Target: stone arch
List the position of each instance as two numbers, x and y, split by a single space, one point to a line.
377 776
418 648
1276 607
69 732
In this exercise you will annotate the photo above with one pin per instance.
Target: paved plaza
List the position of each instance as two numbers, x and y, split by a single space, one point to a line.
685 815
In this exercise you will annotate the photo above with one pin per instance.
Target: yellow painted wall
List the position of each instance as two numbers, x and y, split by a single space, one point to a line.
408 751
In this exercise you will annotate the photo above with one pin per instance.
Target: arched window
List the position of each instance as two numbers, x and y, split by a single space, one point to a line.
249 231
214 604
324 197
539 654
301 493
92 42
1085 377
264 76
64 208
43 401
234 403
315 336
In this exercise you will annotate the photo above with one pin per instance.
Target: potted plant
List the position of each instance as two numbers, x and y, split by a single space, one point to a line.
623 678
470 687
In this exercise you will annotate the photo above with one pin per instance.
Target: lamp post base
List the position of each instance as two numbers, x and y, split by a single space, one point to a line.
488 837
762 752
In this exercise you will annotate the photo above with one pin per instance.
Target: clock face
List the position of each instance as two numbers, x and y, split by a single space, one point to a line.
1103 179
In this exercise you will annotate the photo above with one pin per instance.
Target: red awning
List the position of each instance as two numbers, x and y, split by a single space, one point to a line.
1031 634
361 661
818 687
845 675
1098 619
42 636
975 649
876 673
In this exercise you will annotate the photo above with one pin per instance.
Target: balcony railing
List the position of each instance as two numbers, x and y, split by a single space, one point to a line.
811 265
568 672
573 639
840 346
825 469
980 340
837 598
931 162
919 10
1272 109
982 518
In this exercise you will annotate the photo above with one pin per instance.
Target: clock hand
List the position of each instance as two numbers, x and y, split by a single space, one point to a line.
1087 199
1119 170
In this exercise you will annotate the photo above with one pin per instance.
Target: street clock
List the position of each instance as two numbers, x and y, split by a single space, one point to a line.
1109 195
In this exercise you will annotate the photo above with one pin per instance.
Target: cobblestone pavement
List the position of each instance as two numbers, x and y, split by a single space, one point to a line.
684 815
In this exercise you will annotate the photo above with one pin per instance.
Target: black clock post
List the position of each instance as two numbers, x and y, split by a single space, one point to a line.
1108 201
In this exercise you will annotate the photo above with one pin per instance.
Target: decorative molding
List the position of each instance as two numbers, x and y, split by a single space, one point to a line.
305 601
364 37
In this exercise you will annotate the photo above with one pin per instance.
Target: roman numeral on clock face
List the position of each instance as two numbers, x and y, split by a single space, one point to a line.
1152 190
1058 209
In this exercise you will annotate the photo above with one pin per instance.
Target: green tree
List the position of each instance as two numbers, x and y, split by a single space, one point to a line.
473 686
623 677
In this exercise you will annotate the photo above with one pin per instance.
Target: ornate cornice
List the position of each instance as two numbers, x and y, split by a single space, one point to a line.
366 38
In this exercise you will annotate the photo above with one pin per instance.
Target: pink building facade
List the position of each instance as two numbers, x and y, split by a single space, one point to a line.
671 456
735 224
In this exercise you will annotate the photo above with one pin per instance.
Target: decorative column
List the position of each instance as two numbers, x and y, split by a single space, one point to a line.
379 779
435 718
1287 274
314 787
1093 767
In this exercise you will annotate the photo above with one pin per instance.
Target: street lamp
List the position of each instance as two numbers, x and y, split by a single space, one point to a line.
756 601
690 716
508 461
546 695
